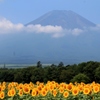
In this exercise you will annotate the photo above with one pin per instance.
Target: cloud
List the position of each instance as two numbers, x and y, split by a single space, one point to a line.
77 31
43 29
55 31
7 27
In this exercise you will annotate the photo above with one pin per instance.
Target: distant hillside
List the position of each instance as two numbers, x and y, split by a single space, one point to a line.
64 18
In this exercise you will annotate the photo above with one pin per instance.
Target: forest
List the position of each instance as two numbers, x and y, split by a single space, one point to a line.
86 72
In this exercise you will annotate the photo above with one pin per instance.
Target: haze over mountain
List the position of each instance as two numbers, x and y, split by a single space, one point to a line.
64 18
56 36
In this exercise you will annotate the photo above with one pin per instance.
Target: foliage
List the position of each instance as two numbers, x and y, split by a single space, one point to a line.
80 78
85 71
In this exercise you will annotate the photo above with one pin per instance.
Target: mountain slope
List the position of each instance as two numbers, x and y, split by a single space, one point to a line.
64 18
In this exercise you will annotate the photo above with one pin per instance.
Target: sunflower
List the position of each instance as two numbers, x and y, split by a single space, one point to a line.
54 92
75 91
43 92
80 88
13 92
3 87
31 85
9 93
65 94
9 86
26 89
96 89
69 87
37 83
20 93
45 88
86 90
51 87
2 95
61 89
20 86
34 92
39 88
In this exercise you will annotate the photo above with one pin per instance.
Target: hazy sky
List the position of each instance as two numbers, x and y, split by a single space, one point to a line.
24 11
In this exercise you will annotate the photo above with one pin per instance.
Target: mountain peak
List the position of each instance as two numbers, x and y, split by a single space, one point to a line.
66 19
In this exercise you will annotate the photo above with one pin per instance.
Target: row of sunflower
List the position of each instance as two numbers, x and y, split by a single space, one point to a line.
49 91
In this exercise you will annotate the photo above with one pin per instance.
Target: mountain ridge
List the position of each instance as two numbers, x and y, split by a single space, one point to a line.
66 19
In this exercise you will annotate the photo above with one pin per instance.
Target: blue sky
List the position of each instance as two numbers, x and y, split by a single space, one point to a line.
14 14
24 11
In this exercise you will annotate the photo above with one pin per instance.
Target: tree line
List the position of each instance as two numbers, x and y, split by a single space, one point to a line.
86 72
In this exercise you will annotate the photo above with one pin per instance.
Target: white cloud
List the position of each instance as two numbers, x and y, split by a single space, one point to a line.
7 27
77 31
43 29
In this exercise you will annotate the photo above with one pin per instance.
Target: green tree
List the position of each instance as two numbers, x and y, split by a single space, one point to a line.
89 70
69 73
53 65
39 64
51 73
63 76
37 74
80 78
97 74
18 76
60 64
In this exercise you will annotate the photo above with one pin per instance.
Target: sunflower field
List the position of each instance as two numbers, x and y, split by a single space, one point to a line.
49 91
